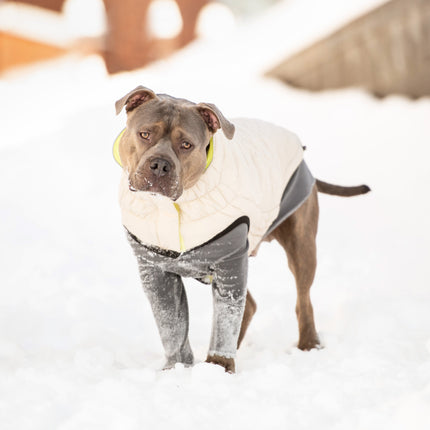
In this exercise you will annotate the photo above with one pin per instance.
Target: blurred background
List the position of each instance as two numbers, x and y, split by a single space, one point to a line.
380 45
78 345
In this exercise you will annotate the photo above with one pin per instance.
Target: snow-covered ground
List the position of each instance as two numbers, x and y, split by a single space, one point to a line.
78 345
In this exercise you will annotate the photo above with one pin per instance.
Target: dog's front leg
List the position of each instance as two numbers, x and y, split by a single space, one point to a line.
229 296
166 294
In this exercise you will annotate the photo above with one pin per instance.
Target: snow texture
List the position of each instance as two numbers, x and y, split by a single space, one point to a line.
79 348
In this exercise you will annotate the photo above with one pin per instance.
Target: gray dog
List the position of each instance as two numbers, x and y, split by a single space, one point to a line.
196 203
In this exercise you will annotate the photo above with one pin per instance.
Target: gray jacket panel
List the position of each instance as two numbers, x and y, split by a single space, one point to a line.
296 192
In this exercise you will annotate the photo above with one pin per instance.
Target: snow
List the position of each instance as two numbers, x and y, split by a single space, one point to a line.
78 345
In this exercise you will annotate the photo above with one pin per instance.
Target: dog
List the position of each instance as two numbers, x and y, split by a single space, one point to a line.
198 195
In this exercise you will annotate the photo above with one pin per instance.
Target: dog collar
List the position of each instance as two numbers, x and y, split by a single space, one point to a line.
115 150
210 154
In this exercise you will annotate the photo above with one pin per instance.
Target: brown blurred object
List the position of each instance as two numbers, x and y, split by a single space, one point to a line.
128 44
55 5
18 51
386 51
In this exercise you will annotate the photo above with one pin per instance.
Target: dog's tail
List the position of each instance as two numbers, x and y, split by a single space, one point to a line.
338 190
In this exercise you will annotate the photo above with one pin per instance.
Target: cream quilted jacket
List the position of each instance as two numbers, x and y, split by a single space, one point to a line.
247 177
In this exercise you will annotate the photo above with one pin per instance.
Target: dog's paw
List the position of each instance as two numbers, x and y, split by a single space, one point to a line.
227 363
308 343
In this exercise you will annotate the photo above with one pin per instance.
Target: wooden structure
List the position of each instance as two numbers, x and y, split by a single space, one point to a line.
386 51
128 44
18 51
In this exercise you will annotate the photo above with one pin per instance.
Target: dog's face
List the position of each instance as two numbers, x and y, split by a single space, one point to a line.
164 147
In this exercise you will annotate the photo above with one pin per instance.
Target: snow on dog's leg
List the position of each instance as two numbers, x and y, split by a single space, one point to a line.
250 309
166 294
229 296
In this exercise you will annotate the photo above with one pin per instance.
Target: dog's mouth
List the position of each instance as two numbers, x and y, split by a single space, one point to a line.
167 188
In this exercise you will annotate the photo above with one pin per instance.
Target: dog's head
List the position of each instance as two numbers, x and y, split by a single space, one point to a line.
164 146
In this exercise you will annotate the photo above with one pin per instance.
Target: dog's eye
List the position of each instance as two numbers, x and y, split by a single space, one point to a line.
144 135
186 145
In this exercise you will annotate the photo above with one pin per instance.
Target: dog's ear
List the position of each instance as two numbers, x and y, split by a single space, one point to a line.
215 120
134 99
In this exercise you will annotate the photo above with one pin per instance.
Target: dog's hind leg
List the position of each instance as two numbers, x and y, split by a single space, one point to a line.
297 236
250 309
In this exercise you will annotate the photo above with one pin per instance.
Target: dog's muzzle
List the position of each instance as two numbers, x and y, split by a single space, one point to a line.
157 175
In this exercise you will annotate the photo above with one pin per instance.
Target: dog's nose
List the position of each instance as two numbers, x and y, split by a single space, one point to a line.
160 166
